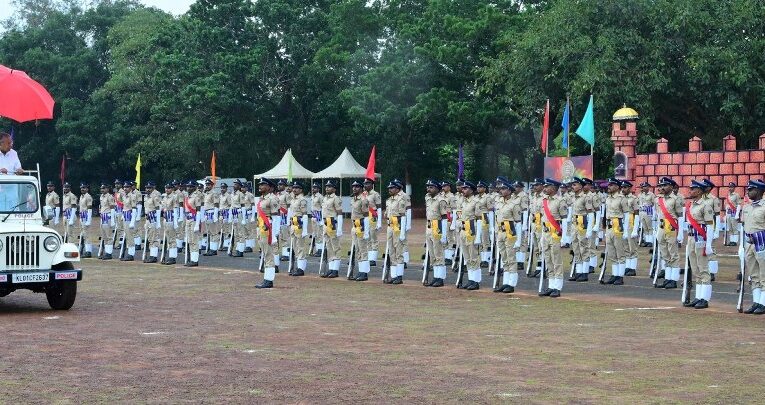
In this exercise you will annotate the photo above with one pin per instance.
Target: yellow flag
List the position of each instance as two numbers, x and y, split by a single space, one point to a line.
138 173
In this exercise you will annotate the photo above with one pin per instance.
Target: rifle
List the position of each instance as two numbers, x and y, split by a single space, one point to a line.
460 270
312 247
496 270
145 240
742 269
542 274
603 265
686 277
186 249
323 257
101 243
291 256
654 255
426 262
386 262
220 238
351 258
531 253
231 239
457 252
163 246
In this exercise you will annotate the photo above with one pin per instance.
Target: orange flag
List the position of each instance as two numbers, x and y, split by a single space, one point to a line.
212 167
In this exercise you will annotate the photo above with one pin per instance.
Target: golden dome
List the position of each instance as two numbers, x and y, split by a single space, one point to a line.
625 114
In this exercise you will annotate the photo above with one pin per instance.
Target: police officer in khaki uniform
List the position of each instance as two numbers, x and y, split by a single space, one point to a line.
85 205
374 203
484 210
118 217
237 215
535 225
395 212
617 230
193 208
646 202
106 206
69 207
180 197
52 202
360 229
298 225
129 218
753 219
170 212
552 209
226 221
137 198
437 228
633 224
285 196
249 217
594 202
669 210
581 227
522 198
269 226
451 204
316 221
508 212
700 218
152 206
210 208
716 205
332 213
730 210
471 235
408 202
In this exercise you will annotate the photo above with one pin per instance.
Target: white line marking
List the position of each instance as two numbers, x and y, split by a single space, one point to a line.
153 333
52 317
643 308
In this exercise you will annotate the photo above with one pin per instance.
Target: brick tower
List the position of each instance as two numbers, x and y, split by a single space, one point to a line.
624 137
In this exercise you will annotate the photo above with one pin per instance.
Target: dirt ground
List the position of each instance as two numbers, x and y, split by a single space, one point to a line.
153 334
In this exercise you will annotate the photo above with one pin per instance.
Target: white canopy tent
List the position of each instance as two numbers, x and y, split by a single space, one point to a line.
345 167
282 169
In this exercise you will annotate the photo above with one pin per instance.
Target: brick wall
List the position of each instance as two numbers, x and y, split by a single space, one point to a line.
722 167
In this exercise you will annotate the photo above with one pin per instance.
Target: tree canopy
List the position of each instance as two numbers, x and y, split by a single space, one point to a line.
417 78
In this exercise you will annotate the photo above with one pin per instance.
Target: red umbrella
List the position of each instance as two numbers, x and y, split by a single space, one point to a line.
23 99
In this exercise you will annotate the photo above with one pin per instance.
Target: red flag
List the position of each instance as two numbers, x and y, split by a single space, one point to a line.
371 164
62 172
212 167
546 127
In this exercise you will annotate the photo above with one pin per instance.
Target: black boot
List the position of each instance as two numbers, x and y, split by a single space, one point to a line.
611 280
361 277
670 284
591 270
473 286
546 292
484 265
247 249
372 263
437 282
507 289
127 258
87 255
210 253
169 261
448 262
237 253
582 277
333 274
630 272
498 288
536 273
519 267
619 281
150 259
106 256
712 277
265 284
298 273
555 294
692 303
760 310
702 304
661 274
752 308
398 280
191 264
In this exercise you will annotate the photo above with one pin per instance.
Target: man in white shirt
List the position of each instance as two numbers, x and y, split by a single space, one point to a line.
9 160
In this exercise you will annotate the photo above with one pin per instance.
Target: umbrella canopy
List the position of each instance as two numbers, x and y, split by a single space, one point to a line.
287 167
344 167
23 99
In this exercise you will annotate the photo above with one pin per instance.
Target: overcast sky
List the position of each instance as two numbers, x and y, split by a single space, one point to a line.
172 6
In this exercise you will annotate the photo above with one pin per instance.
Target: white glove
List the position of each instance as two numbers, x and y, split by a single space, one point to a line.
88 217
366 227
112 215
339 231
453 226
158 220
175 218
590 224
131 224
216 212
708 247
634 233
197 220
490 216
71 216
56 214
680 229
570 214
444 227
564 228
138 211
402 232
525 216
305 226
478 231
408 219
626 225
276 226
379 218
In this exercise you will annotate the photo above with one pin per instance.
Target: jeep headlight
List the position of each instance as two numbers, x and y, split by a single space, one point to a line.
51 243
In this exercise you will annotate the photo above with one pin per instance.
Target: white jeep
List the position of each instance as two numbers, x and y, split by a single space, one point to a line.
33 256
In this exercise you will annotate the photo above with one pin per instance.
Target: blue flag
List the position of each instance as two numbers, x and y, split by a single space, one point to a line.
586 128
566 126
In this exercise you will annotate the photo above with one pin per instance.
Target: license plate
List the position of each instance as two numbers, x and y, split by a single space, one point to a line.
30 277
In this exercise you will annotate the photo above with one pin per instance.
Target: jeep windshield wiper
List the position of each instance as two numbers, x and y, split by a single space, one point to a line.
14 209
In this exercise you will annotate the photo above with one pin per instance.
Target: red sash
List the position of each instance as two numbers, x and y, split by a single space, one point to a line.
550 217
692 221
730 204
189 207
265 218
118 201
665 212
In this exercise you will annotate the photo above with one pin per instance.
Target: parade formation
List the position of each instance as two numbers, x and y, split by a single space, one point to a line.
503 229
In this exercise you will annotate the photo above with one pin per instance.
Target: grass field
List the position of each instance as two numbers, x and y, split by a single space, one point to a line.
155 334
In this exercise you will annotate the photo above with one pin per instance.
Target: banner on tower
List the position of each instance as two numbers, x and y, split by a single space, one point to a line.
566 168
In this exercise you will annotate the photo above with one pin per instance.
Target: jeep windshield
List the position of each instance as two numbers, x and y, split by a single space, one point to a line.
18 198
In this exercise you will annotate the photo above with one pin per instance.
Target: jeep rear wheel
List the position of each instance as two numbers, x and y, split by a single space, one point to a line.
61 294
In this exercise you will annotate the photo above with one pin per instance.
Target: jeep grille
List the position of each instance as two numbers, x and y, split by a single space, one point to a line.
22 252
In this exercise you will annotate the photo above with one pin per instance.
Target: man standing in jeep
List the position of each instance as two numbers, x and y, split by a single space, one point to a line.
9 159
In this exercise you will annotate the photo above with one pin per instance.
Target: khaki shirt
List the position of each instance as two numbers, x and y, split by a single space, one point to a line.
196 199
470 208
523 198
299 206
85 202
508 209
582 204
249 200
702 212
180 196
733 199
395 206
285 197
237 199
373 198
169 202
316 201
633 203
211 200
106 203
483 203
646 199
616 206
436 208
52 200
136 197
556 205
269 203
672 202
127 202
753 216
359 206
331 206
153 201
70 200
224 201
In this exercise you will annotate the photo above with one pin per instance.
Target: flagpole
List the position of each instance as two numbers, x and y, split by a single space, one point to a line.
568 144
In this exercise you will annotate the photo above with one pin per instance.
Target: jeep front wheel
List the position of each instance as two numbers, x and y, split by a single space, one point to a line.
61 294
